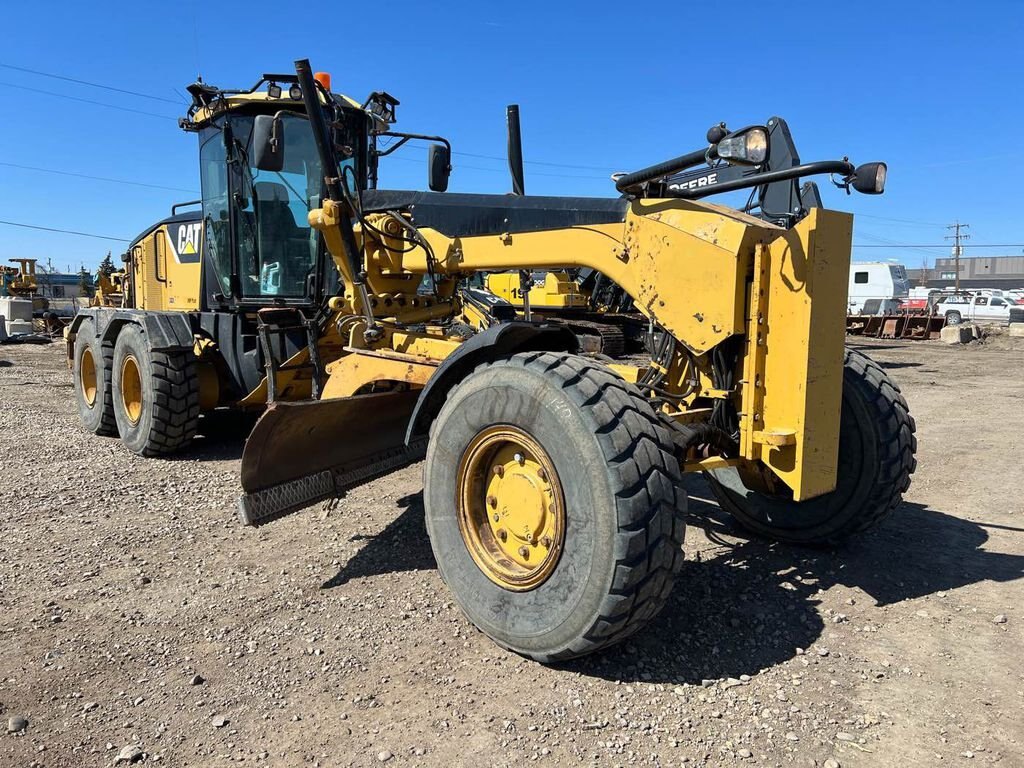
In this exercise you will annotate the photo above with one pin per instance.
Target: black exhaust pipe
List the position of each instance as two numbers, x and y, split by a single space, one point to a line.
515 150
336 186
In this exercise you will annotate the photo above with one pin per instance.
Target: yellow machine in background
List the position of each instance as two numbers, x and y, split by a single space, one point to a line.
551 479
559 296
21 281
112 290
546 290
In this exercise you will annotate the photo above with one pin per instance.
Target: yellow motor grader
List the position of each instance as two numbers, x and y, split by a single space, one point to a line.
552 485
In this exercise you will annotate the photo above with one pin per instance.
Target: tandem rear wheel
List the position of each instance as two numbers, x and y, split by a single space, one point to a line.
93 365
566 530
155 395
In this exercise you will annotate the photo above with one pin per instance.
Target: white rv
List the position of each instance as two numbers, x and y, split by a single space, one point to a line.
876 288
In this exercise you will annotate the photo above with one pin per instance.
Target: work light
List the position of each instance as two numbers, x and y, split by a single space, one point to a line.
870 178
746 147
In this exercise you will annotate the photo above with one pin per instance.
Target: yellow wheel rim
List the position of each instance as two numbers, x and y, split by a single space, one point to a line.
131 389
510 507
87 375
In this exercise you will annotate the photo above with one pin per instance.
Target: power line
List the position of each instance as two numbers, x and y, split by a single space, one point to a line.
97 178
912 222
940 245
64 231
502 170
535 162
90 84
86 101
501 159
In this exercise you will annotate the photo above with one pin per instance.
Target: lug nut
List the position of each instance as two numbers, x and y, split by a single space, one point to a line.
524 552
499 470
497 517
542 474
493 501
520 459
502 534
546 541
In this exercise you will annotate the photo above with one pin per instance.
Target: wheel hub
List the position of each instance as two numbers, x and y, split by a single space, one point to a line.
511 508
87 376
131 389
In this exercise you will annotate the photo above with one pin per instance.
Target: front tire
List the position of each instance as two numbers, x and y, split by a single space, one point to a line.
953 318
876 459
156 395
547 455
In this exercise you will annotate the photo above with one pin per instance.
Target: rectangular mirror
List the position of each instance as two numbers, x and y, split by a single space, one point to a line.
439 167
268 143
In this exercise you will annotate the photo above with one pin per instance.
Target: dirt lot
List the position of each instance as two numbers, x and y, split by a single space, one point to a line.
329 639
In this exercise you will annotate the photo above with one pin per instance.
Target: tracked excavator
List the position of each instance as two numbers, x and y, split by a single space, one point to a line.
551 479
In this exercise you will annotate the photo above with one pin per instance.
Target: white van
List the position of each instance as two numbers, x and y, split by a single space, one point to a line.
876 288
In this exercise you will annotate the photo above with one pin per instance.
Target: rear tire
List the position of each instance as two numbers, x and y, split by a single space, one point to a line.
155 394
93 366
624 508
876 459
953 318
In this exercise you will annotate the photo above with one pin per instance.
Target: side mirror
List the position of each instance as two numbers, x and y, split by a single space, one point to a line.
268 143
439 167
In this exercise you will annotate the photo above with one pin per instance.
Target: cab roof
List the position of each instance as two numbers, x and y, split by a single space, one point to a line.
209 103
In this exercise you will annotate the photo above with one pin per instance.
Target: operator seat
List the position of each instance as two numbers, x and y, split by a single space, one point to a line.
281 241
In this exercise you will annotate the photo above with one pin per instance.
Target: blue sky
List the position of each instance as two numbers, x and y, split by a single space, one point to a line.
933 88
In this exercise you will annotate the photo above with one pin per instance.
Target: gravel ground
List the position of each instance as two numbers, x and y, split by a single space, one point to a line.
140 622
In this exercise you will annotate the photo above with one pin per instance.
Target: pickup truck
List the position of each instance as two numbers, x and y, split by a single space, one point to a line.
980 309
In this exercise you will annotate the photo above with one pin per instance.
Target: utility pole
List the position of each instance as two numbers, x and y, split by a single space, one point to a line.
958 237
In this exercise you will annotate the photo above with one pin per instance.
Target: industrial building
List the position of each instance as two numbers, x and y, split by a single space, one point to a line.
975 272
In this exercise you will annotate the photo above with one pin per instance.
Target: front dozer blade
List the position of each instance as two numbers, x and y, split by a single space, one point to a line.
305 452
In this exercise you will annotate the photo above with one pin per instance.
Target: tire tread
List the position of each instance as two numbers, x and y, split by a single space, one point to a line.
649 499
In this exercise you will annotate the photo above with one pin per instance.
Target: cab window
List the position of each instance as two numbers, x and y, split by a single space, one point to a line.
277 248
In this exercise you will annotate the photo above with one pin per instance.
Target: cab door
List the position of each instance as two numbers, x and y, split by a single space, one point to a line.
998 308
979 308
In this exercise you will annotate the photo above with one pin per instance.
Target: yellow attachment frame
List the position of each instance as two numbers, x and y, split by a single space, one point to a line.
705 273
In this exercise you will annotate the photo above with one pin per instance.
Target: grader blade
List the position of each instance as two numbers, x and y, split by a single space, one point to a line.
305 452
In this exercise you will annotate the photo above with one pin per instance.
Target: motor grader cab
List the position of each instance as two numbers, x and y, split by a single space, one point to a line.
552 486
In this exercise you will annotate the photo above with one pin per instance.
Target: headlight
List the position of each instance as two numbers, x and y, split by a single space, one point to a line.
870 178
746 147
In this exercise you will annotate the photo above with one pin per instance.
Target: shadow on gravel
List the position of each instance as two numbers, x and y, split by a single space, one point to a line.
220 435
748 604
401 546
891 365
751 604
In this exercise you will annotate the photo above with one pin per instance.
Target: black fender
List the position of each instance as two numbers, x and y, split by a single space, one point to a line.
498 341
165 331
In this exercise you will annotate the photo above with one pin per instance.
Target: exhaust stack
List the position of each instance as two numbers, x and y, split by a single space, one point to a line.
515 150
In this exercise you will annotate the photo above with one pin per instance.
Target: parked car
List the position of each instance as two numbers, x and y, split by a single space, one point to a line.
982 309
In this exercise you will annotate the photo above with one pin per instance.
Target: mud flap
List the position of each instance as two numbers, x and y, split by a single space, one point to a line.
305 452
